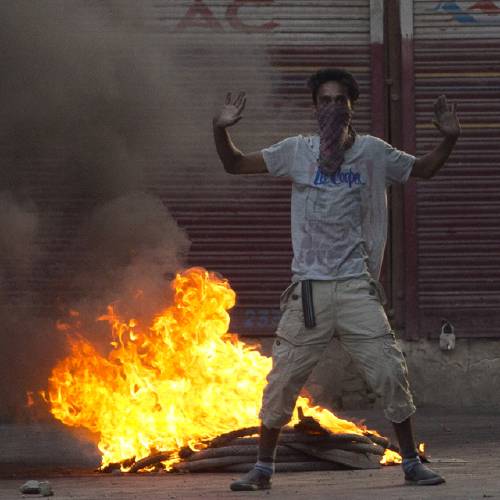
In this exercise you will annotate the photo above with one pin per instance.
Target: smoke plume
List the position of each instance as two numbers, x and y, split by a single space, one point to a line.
94 111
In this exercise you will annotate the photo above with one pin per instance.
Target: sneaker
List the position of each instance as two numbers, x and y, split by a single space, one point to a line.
421 475
252 481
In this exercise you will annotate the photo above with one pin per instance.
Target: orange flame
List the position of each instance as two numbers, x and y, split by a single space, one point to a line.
179 382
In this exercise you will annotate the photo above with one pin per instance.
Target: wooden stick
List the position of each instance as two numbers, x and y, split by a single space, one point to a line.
374 449
339 438
286 432
241 446
185 452
318 465
223 439
352 459
110 467
212 463
245 441
117 465
309 425
151 460
232 451
333 439
241 434
283 453
209 459
380 440
224 451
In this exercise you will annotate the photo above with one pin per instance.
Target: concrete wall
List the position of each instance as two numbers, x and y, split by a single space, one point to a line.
467 377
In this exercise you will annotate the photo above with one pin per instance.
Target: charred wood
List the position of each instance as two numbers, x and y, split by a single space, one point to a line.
380 440
291 437
223 439
355 460
118 465
318 465
212 463
284 453
154 459
373 449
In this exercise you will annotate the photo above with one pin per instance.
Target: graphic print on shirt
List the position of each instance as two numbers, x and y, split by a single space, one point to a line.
324 245
349 177
332 222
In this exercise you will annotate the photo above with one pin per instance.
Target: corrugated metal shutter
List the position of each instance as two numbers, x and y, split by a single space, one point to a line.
239 226
457 53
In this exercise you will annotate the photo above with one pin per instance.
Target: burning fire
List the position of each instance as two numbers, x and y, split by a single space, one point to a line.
178 382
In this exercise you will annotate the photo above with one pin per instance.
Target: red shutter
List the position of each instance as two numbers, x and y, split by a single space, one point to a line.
457 53
239 226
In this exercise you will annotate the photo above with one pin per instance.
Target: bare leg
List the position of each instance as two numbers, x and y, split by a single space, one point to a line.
404 433
259 478
267 444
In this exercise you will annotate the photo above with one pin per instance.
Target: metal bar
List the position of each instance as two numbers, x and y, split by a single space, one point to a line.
379 107
377 68
410 191
395 250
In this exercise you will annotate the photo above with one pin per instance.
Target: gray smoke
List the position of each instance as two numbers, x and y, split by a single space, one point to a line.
19 224
92 113
133 248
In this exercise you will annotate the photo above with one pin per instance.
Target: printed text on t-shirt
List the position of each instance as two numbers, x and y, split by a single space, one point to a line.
348 177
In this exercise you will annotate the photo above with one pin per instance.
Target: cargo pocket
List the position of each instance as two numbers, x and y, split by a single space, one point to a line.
281 352
291 326
285 296
395 357
396 389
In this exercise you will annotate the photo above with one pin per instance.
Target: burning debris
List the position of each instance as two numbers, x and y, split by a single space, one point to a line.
185 393
297 451
307 446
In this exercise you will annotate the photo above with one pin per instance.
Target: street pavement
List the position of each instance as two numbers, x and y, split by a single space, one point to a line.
464 447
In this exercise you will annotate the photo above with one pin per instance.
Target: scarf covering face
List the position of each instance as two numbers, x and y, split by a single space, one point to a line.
335 136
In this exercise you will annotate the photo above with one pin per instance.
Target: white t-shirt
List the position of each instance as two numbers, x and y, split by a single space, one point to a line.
339 223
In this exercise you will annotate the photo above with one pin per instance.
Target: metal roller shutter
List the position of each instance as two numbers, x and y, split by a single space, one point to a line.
457 53
239 226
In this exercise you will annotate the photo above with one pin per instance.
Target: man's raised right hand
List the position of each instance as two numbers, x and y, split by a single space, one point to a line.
231 112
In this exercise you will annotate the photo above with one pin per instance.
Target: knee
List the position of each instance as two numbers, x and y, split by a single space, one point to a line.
398 400
292 366
398 414
274 420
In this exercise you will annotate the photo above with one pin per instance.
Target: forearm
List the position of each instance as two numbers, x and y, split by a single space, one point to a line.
228 153
428 165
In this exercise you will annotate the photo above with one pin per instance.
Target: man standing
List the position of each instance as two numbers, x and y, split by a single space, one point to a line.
339 227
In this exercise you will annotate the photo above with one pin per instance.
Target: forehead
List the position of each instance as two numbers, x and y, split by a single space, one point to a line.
332 89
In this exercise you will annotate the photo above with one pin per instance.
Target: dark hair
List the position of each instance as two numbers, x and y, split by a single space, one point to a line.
333 75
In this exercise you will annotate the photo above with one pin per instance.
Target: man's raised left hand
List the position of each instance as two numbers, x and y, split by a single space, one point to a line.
445 118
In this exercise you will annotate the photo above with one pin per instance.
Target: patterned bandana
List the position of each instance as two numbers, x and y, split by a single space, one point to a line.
335 136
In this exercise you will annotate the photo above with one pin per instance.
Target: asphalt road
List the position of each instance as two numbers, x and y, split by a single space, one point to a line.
464 448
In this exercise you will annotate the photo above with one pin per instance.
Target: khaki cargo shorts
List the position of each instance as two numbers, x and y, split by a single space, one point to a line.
351 310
